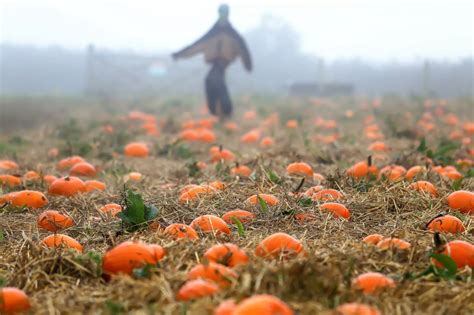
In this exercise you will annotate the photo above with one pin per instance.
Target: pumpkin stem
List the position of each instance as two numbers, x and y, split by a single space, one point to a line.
438 241
369 160
297 189
220 148
237 164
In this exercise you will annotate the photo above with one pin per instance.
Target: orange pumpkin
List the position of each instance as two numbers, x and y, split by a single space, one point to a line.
111 208
92 185
373 239
269 199
242 215
127 256
337 209
53 221
262 305
8 165
83 169
180 231
461 252
392 242
372 282
10 181
327 195
58 240
424 186
217 273
136 149
196 289
210 224
446 223
69 162
13 301
241 170
226 307
462 201
227 254
27 198
300 168
279 244
356 309
67 186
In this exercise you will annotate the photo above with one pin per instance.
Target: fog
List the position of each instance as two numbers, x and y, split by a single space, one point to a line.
378 47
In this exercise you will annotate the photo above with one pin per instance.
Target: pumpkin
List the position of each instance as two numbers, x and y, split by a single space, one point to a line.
111 208
83 169
337 209
279 244
300 168
462 201
269 199
127 256
26 198
263 304
446 223
10 180
461 252
227 254
392 242
196 289
242 215
59 240
67 186
69 162
356 309
372 282
53 221
327 195
180 231
13 301
210 224
226 307
92 185
424 186
373 239
217 273
136 149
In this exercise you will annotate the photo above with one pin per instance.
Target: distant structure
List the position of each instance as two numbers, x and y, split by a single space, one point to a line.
321 89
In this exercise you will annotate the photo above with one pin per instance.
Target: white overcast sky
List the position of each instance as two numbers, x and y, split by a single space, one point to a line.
371 29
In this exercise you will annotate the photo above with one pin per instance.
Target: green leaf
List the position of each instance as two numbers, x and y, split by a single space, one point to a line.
253 176
274 178
457 184
448 263
3 282
136 213
114 308
1 235
422 147
305 202
430 154
240 227
470 172
263 204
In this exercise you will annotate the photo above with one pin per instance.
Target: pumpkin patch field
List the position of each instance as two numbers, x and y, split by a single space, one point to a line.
295 206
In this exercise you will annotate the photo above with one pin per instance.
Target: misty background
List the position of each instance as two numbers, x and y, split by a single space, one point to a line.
377 47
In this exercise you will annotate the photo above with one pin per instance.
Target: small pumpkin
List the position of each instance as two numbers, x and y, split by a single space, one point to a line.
217 273
53 221
227 254
372 282
210 224
13 301
58 240
279 244
196 289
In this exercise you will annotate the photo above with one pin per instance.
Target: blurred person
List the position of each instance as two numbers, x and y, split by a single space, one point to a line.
221 45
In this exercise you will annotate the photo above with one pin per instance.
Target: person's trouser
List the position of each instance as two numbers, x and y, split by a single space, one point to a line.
218 99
